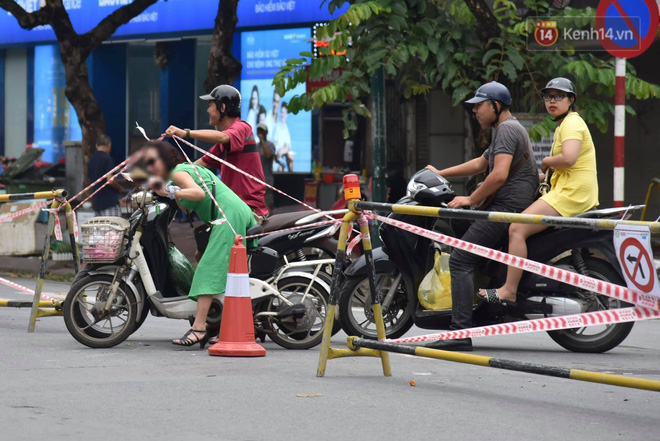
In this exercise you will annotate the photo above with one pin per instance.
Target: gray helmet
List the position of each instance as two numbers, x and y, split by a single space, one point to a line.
492 91
563 84
227 95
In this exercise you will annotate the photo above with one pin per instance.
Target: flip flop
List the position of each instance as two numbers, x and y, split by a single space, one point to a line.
492 296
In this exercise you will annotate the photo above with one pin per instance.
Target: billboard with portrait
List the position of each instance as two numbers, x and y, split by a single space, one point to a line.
262 54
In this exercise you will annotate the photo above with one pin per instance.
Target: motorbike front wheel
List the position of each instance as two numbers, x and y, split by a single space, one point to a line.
84 316
355 306
597 339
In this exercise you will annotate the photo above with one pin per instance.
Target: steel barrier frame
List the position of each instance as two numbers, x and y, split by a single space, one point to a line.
59 202
655 183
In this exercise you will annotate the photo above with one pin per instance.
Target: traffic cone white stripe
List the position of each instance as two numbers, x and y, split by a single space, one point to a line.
238 285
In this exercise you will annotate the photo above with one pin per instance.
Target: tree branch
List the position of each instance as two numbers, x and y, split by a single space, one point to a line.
27 20
488 23
109 24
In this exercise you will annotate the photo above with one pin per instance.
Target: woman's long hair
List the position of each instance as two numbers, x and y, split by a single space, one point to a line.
169 154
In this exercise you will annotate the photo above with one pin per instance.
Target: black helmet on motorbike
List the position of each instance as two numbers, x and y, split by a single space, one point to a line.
429 188
493 91
227 95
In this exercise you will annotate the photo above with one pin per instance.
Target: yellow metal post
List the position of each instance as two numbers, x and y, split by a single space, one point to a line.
42 269
52 194
654 183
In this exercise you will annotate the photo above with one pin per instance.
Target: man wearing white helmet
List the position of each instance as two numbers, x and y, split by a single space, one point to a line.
233 142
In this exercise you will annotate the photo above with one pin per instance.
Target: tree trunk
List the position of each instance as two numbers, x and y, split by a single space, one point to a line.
81 96
223 67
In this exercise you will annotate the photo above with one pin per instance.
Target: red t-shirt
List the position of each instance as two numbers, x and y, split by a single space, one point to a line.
242 153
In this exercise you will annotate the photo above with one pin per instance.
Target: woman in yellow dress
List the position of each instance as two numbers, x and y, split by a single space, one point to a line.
574 182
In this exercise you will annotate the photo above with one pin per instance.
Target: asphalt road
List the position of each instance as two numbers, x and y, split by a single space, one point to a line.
54 388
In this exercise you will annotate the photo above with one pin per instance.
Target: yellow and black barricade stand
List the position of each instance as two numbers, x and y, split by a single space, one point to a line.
352 194
43 308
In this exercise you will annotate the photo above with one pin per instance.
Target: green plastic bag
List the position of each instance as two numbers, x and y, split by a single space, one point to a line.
181 271
434 292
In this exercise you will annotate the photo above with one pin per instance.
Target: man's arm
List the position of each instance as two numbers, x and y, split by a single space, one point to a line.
495 179
210 136
268 152
108 168
470 168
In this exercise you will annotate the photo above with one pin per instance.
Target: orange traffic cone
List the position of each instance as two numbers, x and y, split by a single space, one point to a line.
237 326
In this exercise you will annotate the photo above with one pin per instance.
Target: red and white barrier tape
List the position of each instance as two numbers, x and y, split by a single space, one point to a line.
299 227
26 290
254 178
20 213
607 317
74 221
107 182
568 277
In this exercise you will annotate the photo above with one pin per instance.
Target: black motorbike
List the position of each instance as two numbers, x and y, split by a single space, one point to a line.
406 258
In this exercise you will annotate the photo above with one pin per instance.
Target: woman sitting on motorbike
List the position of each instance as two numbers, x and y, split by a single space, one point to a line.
166 164
574 182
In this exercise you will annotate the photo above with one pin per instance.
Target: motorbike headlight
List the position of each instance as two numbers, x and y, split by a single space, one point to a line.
414 188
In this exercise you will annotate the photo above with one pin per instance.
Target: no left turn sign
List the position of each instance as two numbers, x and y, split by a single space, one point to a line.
633 250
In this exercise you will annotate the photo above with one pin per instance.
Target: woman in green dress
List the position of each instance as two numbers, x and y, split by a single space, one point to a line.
166 165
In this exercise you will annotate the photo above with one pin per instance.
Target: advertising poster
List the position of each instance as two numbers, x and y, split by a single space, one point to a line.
262 54
55 120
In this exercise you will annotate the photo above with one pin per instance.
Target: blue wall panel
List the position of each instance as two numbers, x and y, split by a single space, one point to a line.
2 102
108 79
177 87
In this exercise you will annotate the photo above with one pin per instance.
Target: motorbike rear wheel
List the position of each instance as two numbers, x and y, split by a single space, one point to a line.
88 324
308 332
355 306
576 340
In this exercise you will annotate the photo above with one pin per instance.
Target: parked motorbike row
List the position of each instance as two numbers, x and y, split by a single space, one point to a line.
132 270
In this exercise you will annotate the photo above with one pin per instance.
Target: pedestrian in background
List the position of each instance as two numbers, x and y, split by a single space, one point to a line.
106 201
267 152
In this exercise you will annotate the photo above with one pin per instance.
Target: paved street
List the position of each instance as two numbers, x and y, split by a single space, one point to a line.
54 388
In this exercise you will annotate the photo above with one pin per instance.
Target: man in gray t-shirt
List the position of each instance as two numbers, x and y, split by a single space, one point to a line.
267 153
510 186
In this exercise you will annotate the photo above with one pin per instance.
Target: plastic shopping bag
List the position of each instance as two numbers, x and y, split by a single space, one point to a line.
435 290
181 271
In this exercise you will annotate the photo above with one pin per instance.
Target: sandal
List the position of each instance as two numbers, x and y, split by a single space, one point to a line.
492 296
187 341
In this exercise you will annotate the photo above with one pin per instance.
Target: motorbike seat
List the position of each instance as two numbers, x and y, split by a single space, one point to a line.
285 220
252 231
610 213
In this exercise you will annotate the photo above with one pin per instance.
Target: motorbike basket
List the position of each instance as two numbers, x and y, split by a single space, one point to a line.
103 239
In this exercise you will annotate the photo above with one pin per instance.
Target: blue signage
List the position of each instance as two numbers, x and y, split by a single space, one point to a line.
164 17
262 54
55 119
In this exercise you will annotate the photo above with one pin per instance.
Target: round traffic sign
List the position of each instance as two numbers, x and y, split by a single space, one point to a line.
627 28
639 266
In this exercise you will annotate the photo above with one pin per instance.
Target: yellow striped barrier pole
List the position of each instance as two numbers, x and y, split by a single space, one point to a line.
355 343
502 217
52 194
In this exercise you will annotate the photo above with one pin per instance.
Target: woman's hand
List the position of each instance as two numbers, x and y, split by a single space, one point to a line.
541 177
174 131
433 169
545 165
157 185
460 201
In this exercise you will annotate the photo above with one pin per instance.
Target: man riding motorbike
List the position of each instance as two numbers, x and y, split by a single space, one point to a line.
510 186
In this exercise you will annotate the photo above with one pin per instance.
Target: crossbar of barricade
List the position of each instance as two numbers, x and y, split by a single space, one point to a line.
503 217
648 307
39 306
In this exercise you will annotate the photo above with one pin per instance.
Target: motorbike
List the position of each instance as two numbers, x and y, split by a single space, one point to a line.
131 269
405 258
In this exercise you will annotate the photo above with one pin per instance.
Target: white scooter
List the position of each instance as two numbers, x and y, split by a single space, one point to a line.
132 269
